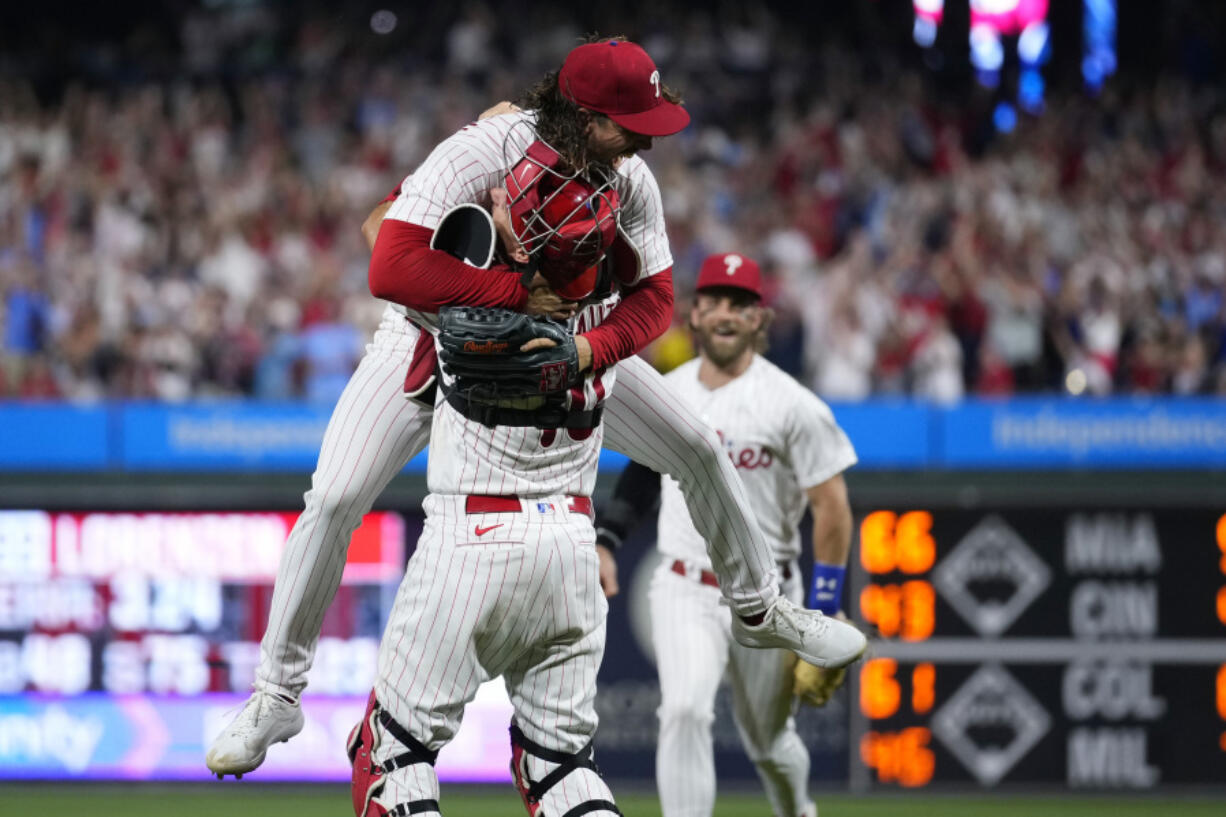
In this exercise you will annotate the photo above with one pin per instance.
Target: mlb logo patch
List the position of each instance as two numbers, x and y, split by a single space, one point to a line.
553 376
544 507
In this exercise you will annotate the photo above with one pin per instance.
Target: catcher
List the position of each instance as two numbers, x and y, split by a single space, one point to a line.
789 453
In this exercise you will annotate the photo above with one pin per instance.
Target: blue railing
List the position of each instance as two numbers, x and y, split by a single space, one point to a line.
976 434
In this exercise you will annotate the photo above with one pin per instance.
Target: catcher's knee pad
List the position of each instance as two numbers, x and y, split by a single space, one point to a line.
369 776
535 788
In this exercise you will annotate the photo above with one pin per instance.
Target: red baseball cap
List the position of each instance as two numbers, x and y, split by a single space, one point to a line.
617 78
732 270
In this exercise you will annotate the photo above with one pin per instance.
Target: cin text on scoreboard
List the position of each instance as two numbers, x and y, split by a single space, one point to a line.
1080 647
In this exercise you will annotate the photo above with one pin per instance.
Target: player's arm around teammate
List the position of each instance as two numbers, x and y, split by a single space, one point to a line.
644 419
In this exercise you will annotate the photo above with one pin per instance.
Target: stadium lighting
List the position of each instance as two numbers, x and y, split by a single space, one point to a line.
1004 118
987 53
928 14
1098 29
1032 43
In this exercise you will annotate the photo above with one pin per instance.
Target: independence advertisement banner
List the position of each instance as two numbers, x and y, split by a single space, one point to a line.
1025 432
1091 434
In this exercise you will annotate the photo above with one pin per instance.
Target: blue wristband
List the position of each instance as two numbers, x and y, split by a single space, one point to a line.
826 593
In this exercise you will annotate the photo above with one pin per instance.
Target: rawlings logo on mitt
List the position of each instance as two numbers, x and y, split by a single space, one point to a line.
489 347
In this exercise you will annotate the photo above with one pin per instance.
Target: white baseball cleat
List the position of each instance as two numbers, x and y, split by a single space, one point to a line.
817 638
266 719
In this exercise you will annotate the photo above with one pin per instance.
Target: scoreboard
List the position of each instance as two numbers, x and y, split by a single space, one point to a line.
172 603
1074 647
127 640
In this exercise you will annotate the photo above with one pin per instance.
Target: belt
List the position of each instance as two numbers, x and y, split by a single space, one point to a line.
483 503
709 578
705 576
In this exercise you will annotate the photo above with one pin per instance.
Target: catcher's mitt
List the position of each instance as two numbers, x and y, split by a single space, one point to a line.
479 348
814 685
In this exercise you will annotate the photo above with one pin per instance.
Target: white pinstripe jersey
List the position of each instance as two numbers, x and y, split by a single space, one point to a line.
466 457
782 438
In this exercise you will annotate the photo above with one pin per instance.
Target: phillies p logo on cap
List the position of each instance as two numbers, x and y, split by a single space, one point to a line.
730 269
617 78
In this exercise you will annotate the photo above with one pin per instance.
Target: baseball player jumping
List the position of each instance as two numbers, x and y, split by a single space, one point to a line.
598 110
788 451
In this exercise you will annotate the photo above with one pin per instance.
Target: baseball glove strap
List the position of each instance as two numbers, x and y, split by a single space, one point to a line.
549 415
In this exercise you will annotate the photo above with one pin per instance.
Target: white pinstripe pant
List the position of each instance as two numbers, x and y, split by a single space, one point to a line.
522 602
694 647
374 431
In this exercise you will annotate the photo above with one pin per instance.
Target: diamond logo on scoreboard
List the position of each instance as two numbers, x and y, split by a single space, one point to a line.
991 576
990 723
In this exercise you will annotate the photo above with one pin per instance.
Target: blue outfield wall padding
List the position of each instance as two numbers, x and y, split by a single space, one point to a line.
224 436
1028 432
888 433
54 436
1053 433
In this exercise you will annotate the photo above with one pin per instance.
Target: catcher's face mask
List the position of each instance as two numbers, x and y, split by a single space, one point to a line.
565 222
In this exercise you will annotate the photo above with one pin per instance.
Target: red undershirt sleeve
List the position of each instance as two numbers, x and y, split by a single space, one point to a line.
645 312
404 269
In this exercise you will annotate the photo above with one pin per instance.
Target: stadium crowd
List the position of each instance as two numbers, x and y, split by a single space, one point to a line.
182 222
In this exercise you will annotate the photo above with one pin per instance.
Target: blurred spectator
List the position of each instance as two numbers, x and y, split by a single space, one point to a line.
844 360
1191 375
330 351
1015 325
27 318
938 365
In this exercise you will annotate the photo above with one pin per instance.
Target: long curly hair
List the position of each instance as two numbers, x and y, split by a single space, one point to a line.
563 124
559 122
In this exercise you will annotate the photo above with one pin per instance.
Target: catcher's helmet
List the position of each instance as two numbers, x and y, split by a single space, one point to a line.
565 222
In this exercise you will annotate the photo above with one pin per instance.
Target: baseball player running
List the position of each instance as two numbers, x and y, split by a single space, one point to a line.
787 449
593 104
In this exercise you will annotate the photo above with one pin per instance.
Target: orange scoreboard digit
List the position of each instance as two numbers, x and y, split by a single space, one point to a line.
893 543
898 543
